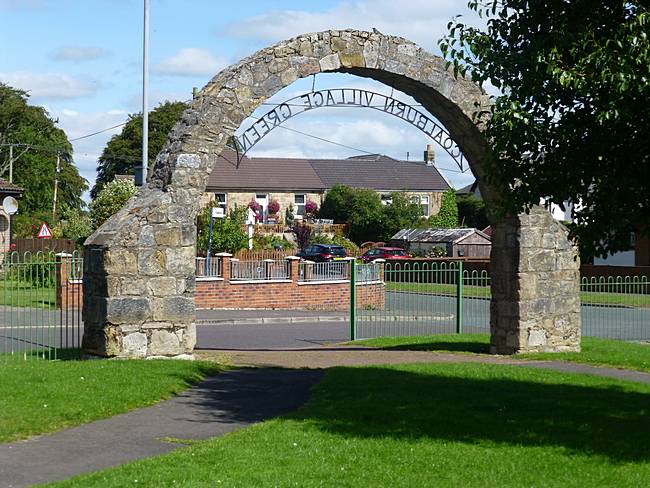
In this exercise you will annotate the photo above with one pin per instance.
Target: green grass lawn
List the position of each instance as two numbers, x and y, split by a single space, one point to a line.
607 352
442 425
44 396
21 294
588 298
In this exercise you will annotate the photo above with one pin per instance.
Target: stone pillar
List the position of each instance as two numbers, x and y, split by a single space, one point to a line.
382 271
535 273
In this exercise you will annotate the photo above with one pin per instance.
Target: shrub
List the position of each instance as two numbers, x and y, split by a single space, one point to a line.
311 207
228 233
447 217
303 235
109 200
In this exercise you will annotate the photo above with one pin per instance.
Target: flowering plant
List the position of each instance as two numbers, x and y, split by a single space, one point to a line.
274 207
311 207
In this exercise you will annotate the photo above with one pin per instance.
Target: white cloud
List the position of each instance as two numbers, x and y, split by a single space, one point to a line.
190 61
78 54
421 21
50 86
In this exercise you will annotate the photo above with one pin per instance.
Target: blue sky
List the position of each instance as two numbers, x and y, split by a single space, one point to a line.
82 60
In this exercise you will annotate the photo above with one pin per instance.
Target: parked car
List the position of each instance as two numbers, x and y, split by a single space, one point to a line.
384 253
323 253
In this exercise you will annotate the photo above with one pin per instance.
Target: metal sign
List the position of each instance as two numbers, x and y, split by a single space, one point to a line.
44 232
218 213
349 97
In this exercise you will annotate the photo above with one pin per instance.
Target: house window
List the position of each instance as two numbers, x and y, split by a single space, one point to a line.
386 199
423 201
299 203
221 199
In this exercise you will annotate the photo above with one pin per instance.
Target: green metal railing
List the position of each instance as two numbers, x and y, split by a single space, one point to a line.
34 324
443 297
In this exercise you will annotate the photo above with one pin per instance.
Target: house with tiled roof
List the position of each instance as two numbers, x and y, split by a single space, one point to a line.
7 189
295 181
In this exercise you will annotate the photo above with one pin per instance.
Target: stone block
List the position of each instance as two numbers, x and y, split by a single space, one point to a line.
176 309
152 262
134 345
536 338
164 343
120 261
128 310
167 236
330 62
162 286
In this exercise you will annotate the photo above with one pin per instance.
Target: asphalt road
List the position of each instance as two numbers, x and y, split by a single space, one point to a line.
404 314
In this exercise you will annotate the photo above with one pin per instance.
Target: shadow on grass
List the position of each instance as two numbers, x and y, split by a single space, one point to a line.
482 404
465 346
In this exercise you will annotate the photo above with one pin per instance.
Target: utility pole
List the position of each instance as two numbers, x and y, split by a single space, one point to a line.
56 185
145 95
11 164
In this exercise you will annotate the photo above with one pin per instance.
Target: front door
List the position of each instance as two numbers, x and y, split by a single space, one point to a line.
263 200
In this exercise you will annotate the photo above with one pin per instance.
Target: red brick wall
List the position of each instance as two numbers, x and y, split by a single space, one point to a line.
286 295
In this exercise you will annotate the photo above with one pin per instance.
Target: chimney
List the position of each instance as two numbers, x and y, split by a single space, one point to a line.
429 156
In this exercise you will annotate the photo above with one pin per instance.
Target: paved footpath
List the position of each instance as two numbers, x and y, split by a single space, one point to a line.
218 405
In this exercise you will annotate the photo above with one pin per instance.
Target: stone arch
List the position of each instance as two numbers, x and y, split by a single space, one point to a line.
139 267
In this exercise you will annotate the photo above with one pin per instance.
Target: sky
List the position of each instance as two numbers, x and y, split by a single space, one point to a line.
82 60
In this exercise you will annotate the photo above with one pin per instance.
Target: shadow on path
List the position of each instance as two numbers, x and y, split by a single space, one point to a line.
218 405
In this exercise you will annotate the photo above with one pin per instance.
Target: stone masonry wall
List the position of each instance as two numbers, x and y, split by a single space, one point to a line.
139 281
535 286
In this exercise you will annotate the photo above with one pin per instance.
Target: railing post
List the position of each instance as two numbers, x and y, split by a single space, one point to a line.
226 258
353 299
62 271
459 299
294 268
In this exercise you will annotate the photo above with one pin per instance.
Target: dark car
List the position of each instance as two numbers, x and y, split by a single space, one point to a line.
323 253
384 253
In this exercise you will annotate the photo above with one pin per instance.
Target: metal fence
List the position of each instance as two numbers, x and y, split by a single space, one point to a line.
208 268
331 271
259 270
438 298
36 322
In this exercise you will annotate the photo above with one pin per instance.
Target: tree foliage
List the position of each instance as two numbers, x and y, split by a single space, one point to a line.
472 212
367 218
447 217
35 167
109 200
573 121
228 233
124 151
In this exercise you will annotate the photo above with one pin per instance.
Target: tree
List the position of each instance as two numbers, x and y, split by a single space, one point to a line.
367 218
124 151
447 217
472 211
35 161
110 199
228 233
572 124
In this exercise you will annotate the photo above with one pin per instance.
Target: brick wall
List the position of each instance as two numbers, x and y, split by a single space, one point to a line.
289 294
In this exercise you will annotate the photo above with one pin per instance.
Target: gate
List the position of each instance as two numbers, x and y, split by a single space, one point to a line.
40 305
420 299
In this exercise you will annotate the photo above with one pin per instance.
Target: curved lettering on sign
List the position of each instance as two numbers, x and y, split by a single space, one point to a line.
348 97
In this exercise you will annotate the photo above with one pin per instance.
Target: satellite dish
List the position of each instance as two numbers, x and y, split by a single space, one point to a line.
10 205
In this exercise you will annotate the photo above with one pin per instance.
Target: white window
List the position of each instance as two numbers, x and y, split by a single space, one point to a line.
221 200
386 199
299 203
423 201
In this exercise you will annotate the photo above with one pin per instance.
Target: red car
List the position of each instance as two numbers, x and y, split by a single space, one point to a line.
384 253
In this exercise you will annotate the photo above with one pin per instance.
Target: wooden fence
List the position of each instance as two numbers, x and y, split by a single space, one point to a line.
44 245
247 255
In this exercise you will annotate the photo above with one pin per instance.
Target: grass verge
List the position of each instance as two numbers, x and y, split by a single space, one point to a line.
44 396
640 300
426 425
606 352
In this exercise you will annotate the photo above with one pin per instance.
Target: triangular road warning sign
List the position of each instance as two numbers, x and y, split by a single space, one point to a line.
44 232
